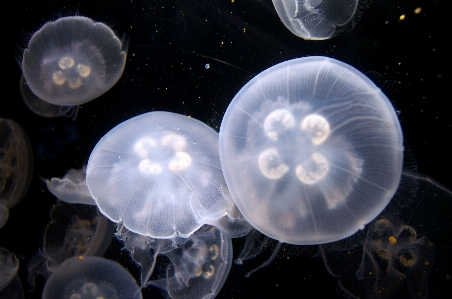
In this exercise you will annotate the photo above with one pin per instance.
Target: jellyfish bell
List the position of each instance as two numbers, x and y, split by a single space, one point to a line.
198 266
315 19
311 151
68 67
16 166
159 174
91 277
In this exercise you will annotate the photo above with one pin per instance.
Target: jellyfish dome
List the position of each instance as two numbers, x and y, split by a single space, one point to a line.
159 174
315 19
91 277
72 61
311 151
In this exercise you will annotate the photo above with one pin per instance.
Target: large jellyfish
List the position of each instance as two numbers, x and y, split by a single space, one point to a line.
311 151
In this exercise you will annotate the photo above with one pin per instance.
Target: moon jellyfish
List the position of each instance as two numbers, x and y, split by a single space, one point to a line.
159 174
199 265
74 230
311 151
72 61
9 265
16 166
10 285
405 253
315 19
91 277
72 188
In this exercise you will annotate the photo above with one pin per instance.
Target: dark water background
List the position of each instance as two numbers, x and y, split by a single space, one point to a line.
170 42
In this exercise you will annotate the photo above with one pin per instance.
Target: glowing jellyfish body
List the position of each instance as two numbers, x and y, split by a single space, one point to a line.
315 19
72 61
91 277
159 174
311 151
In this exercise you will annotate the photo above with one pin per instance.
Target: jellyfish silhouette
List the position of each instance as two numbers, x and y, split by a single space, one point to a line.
74 230
16 166
72 61
405 251
315 19
311 151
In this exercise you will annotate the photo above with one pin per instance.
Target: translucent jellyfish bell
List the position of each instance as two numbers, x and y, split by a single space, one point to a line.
72 61
311 151
199 266
91 277
16 166
315 19
159 174
74 230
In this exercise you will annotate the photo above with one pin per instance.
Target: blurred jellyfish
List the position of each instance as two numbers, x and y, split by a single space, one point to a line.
74 230
9 265
315 19
10 285
73 60
159 174
198 266
311 151
43 108
16 166
91 278
405 253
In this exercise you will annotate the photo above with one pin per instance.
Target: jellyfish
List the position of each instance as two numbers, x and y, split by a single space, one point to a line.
74 230
10 285
91 277
159 174
16 166
9 265
311 151
315 19
72 188
405 252
198 266
73 60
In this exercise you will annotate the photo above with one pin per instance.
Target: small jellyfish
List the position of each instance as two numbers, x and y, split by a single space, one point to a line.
72 61
199 266
159 174
10 285
9 265
91 277
72 188
311 151
405 252
16 166
315 19
74 230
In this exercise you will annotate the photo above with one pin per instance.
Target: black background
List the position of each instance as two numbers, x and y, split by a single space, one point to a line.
169 44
